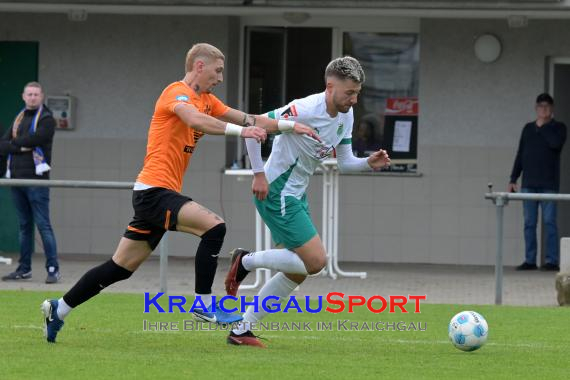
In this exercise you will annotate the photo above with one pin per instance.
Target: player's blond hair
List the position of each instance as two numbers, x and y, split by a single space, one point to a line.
203 51
34 84
345 68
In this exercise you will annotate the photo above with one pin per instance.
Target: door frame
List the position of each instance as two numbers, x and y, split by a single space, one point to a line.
349 24
550 80
29 51
552 61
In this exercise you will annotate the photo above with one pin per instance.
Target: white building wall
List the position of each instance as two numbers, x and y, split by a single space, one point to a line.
471 115
116 67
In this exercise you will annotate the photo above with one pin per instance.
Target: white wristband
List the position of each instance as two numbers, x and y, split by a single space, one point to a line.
233 129
285 125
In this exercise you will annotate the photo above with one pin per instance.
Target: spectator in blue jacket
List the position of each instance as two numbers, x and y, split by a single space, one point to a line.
26 150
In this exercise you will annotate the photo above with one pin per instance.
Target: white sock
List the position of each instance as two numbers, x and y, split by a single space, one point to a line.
281 260
206 299
63 309
280 286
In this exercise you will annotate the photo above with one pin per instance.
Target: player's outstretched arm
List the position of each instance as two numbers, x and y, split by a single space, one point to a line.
212 126
347 162
270 125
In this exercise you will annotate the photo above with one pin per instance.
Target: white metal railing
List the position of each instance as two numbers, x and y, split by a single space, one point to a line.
96 185
330 220
501 199
330 172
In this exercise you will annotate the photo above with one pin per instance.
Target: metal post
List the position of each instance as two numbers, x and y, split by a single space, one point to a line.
499 203
164 263
335 207
266 271
331 254
258 232
258 247
325 232
501 199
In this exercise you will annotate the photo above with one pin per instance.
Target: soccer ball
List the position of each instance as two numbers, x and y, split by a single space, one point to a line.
468 331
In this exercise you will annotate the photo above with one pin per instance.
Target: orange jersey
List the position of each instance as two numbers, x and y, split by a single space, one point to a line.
170 141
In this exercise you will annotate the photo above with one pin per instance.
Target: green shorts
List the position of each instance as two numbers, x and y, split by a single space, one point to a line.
288 219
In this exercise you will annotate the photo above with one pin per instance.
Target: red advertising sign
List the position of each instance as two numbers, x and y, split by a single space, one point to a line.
402 106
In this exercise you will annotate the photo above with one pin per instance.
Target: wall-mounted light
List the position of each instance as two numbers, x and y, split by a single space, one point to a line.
296 17
517 21
487 48
77 15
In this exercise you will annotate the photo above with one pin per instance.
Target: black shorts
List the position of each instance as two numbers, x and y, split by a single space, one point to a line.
156 210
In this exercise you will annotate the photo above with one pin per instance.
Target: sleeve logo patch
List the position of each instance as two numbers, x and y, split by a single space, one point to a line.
182 98
339 129
291 111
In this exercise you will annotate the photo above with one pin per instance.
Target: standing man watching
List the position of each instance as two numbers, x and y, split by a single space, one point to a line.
27 148
538 158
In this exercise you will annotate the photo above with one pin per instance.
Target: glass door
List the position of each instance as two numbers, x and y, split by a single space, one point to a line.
283 64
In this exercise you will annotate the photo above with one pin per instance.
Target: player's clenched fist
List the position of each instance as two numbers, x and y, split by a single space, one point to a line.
379 159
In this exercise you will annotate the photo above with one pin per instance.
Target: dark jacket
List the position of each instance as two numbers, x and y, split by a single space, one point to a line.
538 156
22 163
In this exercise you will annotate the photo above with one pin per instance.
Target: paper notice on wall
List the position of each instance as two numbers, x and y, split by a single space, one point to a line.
402 136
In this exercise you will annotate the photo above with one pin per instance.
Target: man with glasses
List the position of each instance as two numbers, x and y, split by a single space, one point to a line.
538 158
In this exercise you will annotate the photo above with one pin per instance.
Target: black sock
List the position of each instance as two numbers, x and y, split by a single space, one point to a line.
94 281
207 258
241 271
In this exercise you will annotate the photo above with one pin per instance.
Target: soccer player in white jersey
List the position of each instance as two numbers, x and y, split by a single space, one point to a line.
280 186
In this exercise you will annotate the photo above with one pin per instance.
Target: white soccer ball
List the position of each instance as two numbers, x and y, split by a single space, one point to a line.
468 331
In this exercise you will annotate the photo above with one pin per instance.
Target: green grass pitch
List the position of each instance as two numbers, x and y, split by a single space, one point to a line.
104 339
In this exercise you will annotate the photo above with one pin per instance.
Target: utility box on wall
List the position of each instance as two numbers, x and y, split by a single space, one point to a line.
63 109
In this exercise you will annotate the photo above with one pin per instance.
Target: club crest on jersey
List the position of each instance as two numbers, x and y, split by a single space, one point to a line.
182 98
289 112
339 129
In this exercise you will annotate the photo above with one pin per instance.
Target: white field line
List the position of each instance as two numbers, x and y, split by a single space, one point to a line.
285 336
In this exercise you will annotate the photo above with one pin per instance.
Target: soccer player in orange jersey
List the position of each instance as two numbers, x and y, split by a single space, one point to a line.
184 112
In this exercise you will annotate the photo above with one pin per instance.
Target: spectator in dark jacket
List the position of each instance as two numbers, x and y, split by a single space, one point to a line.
26 147
538 158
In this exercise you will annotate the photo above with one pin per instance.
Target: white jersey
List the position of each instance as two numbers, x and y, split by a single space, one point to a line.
299 153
